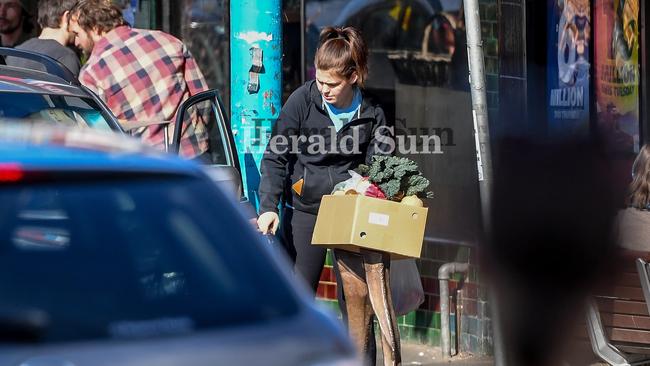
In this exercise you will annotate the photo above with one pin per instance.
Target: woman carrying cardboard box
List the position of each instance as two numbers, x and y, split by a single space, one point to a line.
327 127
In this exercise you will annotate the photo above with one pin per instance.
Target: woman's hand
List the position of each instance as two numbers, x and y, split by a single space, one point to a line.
268 222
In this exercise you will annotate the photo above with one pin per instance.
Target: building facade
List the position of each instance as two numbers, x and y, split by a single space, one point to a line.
554 69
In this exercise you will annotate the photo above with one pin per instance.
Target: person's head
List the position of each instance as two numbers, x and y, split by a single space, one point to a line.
55 14
341 63
91 19
14 17
640 186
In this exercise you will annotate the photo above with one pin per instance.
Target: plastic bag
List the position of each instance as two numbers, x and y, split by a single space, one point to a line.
406 286
356 182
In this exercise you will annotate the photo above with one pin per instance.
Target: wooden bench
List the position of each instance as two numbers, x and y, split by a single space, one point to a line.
618 320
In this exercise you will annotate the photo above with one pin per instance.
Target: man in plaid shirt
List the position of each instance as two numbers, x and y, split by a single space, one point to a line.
142 75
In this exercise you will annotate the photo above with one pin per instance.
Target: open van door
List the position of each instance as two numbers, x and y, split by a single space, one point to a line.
221 161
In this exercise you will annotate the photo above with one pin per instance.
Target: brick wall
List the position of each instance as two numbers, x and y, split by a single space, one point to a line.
423 325
326 293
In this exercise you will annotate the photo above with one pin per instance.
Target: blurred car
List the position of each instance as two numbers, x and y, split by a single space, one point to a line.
54 95
112 254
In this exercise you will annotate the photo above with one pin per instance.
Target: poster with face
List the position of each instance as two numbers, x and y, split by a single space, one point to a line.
568 67
617 73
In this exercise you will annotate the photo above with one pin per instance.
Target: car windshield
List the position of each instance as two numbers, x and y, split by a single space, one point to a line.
118 259
55 109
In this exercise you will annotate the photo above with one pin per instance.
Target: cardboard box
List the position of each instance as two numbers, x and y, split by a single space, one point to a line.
351 222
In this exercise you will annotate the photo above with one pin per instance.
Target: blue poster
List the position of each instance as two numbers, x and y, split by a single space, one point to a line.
568 67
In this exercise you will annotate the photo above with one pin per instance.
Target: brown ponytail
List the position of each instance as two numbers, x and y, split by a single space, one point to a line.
344 51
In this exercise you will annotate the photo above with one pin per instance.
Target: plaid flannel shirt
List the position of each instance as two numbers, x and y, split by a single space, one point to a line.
145 75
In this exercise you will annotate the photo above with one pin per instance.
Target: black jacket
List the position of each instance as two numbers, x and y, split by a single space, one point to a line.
304 115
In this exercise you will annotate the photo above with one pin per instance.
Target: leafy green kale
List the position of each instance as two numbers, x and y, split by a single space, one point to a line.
396 177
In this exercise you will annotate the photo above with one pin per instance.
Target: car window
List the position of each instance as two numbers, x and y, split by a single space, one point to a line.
55 109
141 258
207 112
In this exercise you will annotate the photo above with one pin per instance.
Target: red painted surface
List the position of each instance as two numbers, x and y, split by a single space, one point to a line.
327 285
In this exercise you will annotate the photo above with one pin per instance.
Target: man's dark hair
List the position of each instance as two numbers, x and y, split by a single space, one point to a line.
100 15
50 12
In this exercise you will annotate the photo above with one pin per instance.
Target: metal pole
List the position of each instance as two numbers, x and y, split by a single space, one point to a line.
483 150
444 318
256 81
444 273
497 337
479 105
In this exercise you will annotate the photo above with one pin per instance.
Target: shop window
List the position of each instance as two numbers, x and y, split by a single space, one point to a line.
203 30
415 18
423 90
378 25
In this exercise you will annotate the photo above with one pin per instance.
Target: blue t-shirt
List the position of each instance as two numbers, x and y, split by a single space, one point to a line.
341 117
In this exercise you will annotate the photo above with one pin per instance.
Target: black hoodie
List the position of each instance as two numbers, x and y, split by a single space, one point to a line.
304 115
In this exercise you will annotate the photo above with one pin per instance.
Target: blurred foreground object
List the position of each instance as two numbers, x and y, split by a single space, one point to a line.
551 242
109 256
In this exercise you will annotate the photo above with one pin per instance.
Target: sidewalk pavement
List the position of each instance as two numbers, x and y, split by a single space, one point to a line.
426 355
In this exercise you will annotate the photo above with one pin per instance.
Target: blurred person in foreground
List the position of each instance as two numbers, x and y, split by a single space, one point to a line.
142 75
53 16
551 244
15 23
633 229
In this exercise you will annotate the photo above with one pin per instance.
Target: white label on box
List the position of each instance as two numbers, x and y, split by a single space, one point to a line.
378 219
